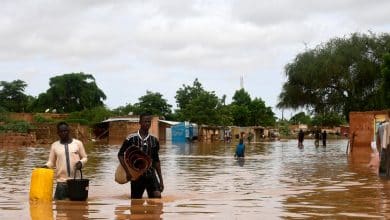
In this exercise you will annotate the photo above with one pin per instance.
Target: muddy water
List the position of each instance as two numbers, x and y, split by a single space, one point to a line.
203 181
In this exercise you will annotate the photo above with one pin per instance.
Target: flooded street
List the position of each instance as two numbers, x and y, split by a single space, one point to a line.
203 181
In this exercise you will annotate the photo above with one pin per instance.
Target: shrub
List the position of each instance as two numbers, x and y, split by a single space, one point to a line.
40 119
16 126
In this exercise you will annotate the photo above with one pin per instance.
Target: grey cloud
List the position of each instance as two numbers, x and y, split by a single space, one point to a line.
211 40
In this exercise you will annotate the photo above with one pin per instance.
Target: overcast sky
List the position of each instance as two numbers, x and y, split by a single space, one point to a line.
134 46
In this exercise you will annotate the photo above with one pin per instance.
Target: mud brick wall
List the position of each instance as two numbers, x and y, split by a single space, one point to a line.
118 131
361 125
12 139
22 117
162 131
29 117
46 133
81 132
154 127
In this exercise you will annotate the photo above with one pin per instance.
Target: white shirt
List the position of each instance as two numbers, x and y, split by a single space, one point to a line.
57 158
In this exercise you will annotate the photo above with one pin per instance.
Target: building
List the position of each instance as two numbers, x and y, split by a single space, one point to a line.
362 134
114 130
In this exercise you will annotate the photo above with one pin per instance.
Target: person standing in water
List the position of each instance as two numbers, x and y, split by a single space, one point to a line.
301 136
324 138
149 144
67 155
317 137
240 149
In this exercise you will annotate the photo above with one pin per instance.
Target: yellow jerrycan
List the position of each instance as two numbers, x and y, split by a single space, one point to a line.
41 186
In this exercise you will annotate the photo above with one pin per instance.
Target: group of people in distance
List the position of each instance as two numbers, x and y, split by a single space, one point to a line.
68 155
317 136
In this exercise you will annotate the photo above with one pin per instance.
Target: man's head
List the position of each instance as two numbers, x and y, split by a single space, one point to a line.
63 131
145 121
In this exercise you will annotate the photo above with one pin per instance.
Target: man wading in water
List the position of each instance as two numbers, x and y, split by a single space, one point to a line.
67 155
150 146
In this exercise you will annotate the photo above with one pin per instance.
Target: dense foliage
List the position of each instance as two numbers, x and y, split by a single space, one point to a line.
153 103
204 107
300 118
330 119
12 97
386 79
197 105
90 116
70 92
337 77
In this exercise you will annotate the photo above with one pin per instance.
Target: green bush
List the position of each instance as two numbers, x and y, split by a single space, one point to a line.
92 116
284 129
3 115
40 119
16 126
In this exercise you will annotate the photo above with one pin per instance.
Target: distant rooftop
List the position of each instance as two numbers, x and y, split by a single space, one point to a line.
169 122
122 119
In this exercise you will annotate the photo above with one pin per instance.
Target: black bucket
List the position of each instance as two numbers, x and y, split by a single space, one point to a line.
78 188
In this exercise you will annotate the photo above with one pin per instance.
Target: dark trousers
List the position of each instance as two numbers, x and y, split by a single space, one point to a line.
147 181
61 191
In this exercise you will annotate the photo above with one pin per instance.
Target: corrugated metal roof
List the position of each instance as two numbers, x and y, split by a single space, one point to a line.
121 119
170 122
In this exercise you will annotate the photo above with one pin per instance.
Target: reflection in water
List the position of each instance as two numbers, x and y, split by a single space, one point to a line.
240 161
140 209
41 211
71 210
203 181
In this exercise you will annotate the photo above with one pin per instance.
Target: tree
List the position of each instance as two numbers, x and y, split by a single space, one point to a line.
248 112
203 109
300 118
241 97
12 97
385 69
330 120
152 103
91 116
124 110
186 94
199 106
340 76
71 92
240 115
260 114
225 116
240 108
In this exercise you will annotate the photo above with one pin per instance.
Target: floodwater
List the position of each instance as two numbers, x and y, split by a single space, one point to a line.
277 180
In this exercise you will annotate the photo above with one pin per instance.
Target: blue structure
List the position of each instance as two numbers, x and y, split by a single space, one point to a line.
182 132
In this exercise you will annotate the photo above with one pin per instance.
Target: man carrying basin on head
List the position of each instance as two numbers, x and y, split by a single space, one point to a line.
66 155
148 144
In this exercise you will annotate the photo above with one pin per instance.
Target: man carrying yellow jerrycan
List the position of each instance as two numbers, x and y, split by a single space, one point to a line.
67 155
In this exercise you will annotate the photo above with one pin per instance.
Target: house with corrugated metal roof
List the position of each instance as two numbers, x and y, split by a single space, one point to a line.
113 131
